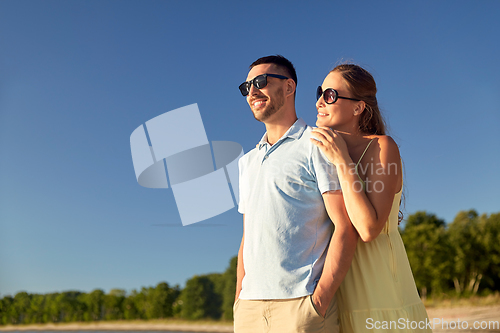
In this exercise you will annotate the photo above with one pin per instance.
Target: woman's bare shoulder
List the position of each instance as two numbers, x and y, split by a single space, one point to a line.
386 146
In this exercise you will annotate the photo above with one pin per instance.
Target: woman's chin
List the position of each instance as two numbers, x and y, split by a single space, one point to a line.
322 123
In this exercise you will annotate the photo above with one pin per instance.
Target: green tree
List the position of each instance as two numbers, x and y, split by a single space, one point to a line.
130 310
489 227
51 311
94 302
152 303
217 300
199 299
70 307
162 299
229 290
427 247
22 303
7 313
37 308
113 304
469 250
143 302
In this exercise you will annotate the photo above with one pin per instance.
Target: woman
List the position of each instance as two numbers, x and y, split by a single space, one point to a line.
379 292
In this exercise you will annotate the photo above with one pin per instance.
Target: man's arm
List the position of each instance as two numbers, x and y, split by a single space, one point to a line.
339 254
240 268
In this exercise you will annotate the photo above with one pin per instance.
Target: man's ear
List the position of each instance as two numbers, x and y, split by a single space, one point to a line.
290 87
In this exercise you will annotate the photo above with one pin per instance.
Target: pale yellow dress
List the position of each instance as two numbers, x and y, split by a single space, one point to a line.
378 293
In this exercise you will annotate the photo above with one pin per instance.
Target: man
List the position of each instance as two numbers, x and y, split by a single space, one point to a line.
290 262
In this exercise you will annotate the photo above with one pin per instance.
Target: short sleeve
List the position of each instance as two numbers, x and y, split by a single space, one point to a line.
325 171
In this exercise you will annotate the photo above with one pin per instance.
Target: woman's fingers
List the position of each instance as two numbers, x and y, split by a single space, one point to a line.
326 132
326 135
329 131
320 136
317 142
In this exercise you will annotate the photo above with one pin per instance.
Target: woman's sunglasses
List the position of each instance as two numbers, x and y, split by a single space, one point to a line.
259 82
330 95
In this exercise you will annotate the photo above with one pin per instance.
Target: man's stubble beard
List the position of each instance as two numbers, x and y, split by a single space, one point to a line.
277 104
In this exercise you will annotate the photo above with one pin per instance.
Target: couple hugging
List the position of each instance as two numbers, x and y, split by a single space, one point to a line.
321 251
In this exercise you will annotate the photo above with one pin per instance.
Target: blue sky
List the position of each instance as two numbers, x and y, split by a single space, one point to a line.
77 77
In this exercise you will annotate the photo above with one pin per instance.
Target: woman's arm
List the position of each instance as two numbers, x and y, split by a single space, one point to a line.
339 253
368 210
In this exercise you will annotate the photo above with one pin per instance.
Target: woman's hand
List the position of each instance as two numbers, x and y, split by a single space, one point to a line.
332 144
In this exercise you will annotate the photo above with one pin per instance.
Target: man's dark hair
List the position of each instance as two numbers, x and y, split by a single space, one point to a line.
280 61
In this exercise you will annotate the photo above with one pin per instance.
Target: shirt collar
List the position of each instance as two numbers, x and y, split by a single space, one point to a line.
294 132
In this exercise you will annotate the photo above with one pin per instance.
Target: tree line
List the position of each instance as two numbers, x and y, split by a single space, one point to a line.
204 297
459 258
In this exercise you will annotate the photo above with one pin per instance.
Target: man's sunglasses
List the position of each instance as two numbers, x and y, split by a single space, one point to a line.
330 95
259 82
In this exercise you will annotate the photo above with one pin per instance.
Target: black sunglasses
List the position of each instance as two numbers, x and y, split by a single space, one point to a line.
259 82
330 95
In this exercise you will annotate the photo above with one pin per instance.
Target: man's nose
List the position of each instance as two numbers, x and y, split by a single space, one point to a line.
252 90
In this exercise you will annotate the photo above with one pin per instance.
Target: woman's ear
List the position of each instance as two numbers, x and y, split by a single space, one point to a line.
359 108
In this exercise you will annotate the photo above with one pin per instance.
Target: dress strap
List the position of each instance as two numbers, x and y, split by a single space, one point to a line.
356 167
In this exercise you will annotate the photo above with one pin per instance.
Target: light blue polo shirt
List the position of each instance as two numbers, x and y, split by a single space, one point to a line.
287 229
